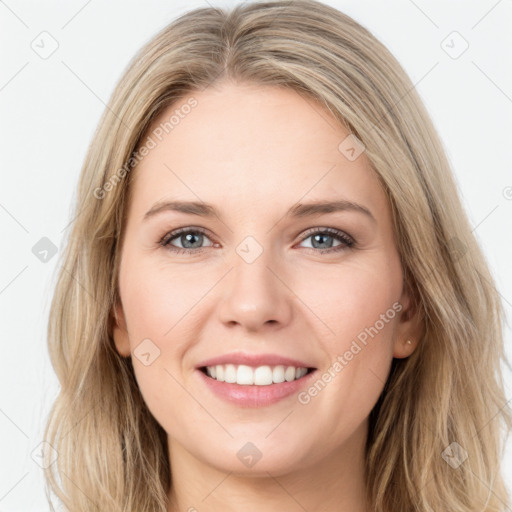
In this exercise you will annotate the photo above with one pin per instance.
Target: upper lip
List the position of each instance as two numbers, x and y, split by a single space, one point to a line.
254 360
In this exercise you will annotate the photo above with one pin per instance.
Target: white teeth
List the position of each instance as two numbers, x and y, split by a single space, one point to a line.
244 375
230 373
289 374
260 376
278 374
300 372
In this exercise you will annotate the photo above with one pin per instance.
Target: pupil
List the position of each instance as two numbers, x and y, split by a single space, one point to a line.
188 238
321 237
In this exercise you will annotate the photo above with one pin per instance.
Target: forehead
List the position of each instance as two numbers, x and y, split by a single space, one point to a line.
248 145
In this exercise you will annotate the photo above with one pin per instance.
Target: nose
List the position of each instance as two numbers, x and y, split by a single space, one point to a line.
256 295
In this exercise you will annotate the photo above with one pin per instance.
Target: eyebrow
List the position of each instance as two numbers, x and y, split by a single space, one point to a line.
299 210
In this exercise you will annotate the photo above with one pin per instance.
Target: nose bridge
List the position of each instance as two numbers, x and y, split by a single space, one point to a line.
252 266
254 294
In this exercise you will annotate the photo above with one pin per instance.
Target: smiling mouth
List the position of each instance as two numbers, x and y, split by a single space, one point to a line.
255 376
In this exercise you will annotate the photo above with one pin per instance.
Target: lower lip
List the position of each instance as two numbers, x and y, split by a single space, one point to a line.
255 396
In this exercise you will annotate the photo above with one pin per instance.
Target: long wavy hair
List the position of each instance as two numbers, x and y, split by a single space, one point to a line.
111 452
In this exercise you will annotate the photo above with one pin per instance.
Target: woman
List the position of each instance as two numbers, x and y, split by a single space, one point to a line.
273 298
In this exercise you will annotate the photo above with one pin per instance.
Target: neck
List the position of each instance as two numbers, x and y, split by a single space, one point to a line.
332 483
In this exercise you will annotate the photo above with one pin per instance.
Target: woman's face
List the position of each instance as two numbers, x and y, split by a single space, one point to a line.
265 275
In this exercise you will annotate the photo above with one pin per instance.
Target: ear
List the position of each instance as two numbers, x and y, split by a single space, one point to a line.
409 329
119 330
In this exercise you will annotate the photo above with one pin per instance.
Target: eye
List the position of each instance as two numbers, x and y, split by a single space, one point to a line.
322 239
191 240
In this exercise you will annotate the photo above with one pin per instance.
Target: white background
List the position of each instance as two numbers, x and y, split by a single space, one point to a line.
50 108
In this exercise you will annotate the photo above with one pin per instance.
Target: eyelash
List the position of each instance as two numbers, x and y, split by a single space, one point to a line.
348 241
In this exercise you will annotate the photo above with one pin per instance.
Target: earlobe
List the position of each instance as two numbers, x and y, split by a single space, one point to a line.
119 330
404 348
409 330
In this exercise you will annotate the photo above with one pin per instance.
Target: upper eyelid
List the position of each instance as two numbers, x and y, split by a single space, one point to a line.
170 235
173 233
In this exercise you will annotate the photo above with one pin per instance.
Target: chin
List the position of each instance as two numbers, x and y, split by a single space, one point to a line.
254 462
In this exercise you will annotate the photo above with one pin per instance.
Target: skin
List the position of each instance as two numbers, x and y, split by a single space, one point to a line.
236 150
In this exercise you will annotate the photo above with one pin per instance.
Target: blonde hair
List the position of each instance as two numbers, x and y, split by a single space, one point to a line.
111 451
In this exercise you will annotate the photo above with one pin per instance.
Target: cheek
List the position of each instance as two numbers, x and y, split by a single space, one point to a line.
152 308
360 309
157 301
357 300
